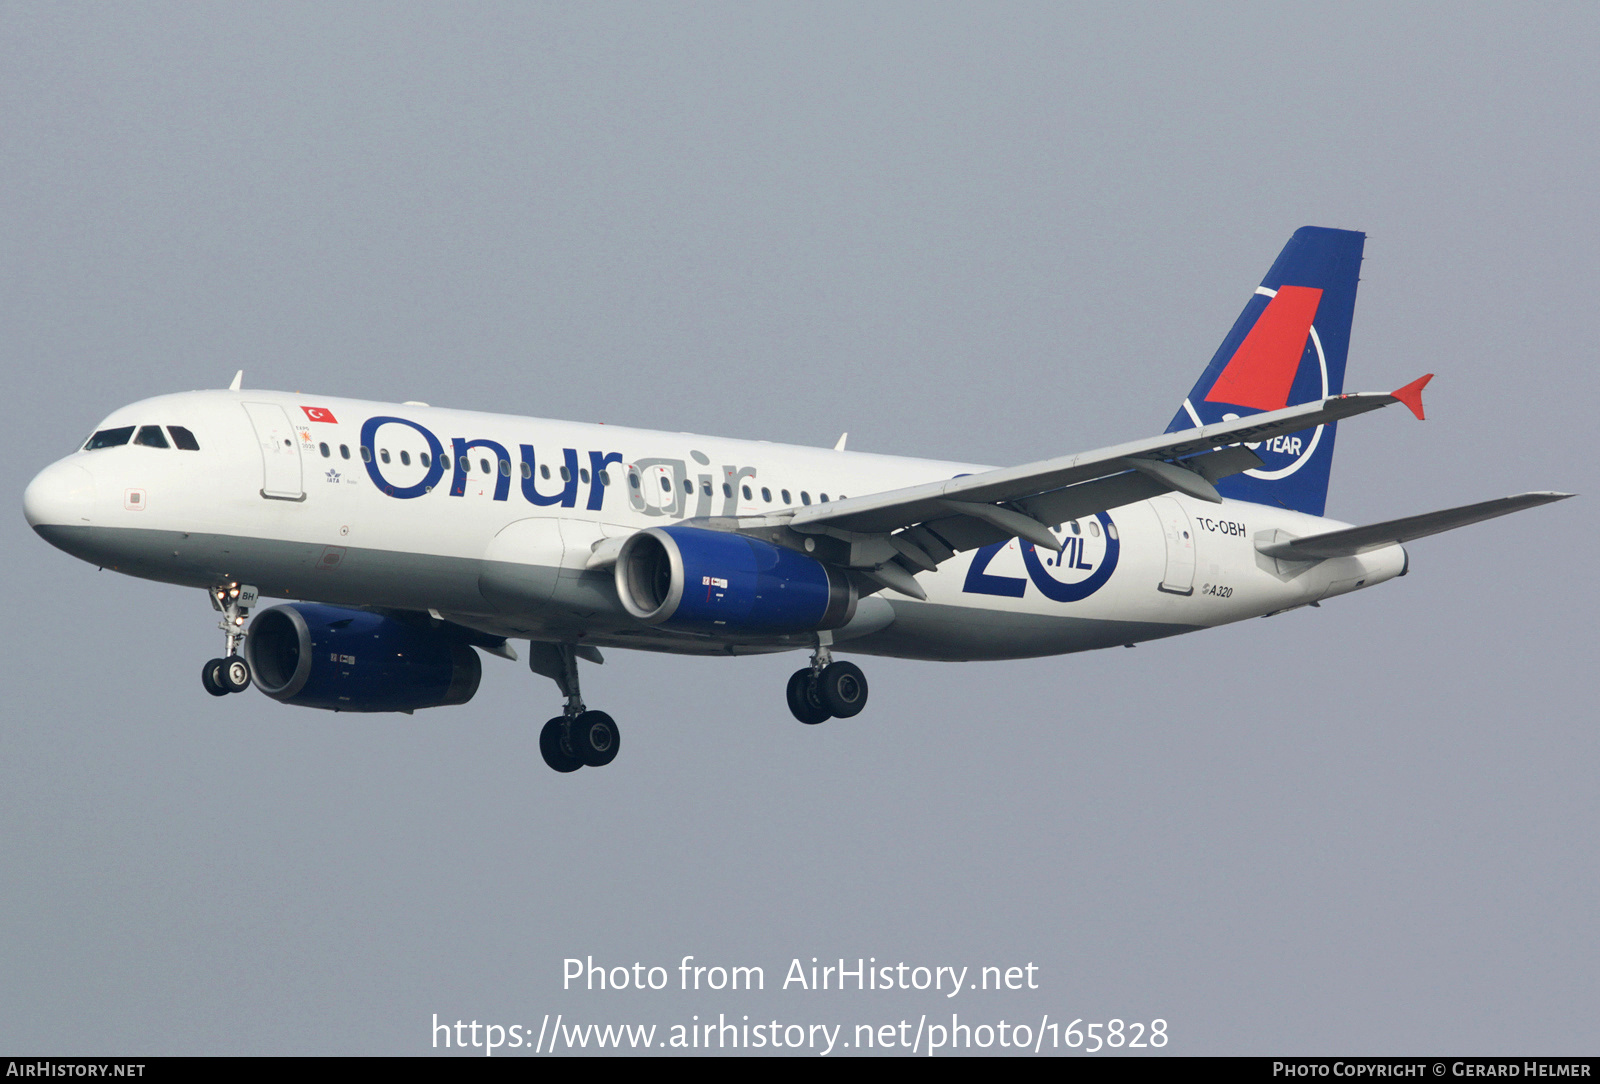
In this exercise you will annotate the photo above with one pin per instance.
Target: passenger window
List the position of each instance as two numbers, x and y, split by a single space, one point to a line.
405 459
604 478
505 467
633 480
324 449
705 487
383 454
423 458
344 451
151 436
183 439
527 470
1075 528
566 475
727 490
805 498
824 498
688 486
766 494
747 494
366 454
583 475
544 471
110 438
786 499
665 485
484 463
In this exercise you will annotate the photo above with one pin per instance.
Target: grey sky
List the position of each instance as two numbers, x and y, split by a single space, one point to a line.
994 232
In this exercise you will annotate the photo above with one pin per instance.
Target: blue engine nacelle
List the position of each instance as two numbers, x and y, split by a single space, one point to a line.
350 660
713 581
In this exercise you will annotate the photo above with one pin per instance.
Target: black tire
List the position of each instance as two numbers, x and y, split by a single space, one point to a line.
555 749
804 702
595 739
843 688
211 678
234 674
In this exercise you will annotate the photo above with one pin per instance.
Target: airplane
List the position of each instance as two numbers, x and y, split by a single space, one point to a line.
411 538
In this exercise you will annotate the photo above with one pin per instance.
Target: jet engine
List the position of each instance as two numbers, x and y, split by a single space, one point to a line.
714 581
351 660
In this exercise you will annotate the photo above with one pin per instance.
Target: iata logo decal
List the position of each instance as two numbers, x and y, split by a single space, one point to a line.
1085 562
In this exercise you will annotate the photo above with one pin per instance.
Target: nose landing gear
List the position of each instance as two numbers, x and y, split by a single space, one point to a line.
827 689
230 674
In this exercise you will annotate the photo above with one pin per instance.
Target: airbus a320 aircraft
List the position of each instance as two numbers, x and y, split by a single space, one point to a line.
415 537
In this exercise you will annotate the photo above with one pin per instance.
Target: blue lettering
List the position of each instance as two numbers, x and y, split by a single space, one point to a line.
980 582
530 484
1057 591
369 430
502 480
597 464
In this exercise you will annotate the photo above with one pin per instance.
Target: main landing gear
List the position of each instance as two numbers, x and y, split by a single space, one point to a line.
827 689
230 674
577 738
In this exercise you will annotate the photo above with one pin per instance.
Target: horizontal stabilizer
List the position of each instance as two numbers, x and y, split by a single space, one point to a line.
1353 540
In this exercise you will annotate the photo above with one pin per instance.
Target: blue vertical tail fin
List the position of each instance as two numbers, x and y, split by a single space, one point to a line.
1287 347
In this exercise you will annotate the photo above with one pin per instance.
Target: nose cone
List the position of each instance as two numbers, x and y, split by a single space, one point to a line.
61 495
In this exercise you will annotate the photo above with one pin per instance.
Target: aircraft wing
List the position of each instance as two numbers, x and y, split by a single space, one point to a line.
894 533
1353 540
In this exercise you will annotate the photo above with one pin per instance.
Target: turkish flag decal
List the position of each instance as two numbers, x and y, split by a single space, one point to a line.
320 414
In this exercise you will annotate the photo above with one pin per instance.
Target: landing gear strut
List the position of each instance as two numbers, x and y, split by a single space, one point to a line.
578 737
827 689
230 674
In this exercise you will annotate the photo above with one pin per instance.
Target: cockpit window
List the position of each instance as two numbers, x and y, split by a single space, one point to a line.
110 438
151 436
183 438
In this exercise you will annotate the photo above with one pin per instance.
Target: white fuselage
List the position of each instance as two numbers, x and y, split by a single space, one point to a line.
280 497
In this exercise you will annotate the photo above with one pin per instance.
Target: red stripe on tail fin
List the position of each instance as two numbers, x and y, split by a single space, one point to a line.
1261 371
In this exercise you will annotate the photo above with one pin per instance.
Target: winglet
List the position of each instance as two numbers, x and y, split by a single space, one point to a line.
238 378
1411 394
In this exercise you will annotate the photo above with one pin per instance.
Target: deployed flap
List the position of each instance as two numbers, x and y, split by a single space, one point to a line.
891 510
1354 540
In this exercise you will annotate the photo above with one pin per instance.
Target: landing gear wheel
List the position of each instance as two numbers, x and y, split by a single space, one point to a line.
803 699
211 678
842 687
234 674
595 739
554 747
